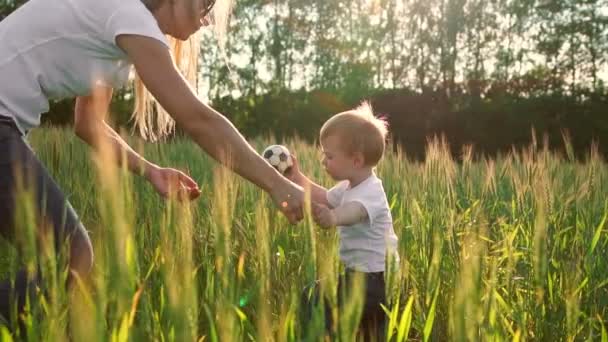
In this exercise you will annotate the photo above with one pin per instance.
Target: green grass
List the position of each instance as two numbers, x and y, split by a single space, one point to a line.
509 249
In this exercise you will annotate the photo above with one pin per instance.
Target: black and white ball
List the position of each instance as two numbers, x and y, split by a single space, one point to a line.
279 157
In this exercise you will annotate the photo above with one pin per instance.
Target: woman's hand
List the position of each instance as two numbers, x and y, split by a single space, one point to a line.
289 198
172 183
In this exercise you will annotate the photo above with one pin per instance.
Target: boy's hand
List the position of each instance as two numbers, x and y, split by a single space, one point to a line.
323 216
293 173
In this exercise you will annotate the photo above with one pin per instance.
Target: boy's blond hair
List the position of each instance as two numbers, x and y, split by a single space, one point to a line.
360 131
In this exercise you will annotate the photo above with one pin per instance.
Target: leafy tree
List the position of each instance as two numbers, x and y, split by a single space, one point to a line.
8 6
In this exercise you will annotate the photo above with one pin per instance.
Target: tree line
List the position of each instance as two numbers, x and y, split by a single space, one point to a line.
485 73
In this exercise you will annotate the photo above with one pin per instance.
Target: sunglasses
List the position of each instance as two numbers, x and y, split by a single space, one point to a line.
207 7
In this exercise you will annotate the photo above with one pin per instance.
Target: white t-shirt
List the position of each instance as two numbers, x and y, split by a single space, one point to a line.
364 246
54 49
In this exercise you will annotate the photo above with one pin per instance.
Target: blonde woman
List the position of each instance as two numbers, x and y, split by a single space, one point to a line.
84 49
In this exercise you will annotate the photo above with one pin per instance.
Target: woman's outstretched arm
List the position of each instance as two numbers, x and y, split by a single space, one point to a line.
209 129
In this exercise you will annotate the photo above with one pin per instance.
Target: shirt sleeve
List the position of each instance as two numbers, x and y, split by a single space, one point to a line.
133 19
335 194
372 198
350 213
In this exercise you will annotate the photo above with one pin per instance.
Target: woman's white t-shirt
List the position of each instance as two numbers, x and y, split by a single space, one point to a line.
54 49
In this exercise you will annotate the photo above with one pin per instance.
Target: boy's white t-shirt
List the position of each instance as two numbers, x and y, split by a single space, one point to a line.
364 246
54 49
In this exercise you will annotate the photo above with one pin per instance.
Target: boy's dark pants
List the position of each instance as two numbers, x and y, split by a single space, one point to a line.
372 324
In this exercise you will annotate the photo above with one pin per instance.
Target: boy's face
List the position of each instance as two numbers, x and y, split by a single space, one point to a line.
338 164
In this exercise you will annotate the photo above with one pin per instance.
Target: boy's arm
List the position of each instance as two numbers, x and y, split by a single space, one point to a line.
344 215
318 194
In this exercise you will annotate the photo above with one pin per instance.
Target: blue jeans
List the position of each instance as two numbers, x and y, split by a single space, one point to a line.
54 214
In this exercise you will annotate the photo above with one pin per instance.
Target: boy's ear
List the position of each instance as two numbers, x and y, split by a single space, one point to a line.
359 159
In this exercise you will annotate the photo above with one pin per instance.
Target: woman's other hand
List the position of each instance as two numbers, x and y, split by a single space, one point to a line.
172 183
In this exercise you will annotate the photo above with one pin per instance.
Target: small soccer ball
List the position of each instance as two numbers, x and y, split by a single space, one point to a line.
279 157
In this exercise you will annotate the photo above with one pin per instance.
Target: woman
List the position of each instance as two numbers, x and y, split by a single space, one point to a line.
84 49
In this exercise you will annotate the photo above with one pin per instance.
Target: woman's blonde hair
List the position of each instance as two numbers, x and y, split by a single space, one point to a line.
359 131
152 121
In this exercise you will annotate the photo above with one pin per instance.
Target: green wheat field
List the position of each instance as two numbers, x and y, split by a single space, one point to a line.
514 248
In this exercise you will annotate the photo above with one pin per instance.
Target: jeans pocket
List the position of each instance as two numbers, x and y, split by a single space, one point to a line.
12 145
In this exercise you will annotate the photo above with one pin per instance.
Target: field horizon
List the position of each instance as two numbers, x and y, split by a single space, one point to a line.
511 248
